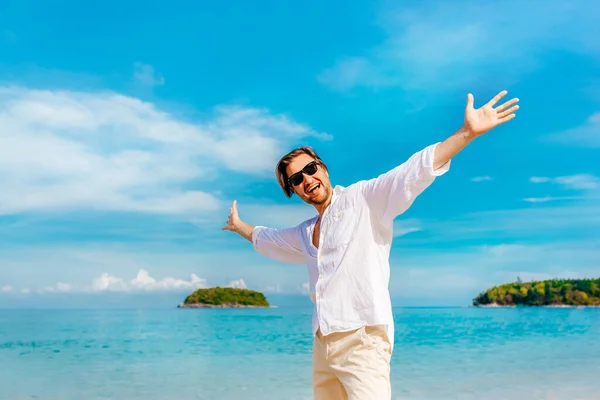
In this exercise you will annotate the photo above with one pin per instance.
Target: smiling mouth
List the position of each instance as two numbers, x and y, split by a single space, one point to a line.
313 188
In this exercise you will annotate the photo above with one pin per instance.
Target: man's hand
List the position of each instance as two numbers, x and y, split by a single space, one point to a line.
234 218
235 224
479 121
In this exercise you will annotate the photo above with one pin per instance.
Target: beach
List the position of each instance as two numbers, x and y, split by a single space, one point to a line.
440 353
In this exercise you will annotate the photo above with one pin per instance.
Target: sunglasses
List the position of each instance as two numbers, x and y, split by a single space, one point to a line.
309 169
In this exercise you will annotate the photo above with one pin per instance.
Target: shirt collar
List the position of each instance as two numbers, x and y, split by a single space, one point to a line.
337 190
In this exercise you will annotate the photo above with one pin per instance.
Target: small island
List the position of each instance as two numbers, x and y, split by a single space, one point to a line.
218 297
549 293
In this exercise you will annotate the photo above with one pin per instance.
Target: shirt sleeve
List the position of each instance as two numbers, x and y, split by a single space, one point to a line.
279 244
393 192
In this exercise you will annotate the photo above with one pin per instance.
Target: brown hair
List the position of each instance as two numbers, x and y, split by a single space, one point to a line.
281 173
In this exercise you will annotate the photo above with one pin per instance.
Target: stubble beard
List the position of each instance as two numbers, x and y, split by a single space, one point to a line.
320 200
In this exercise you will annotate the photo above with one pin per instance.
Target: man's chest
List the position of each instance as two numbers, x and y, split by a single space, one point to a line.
340 224
316 233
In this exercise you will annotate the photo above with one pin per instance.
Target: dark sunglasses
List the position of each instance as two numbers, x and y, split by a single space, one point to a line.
309 169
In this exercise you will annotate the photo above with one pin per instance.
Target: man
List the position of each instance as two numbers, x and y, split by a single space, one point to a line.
346 249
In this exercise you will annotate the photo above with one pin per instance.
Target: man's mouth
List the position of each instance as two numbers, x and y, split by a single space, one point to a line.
313 188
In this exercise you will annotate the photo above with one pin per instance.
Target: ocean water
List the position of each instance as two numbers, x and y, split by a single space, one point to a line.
440 353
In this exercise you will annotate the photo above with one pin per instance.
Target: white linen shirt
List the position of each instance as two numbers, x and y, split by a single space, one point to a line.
349 272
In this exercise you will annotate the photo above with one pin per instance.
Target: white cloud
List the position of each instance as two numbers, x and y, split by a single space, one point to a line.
435 42
579 182
273 289
482 178
143 282
585 183
60 287
107 282
586 135
539 179
353 71
540 199
6 289
405 226
105 151
550 198
239 284
145 74
576 182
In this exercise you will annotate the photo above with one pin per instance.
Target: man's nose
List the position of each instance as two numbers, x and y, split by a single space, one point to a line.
307 180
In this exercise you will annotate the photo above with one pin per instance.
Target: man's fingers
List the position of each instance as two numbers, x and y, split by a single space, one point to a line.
506 119
497 98
504 106
470 100
507 112
233 208
232 213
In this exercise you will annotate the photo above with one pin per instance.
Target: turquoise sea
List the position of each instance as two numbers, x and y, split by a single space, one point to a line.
170 353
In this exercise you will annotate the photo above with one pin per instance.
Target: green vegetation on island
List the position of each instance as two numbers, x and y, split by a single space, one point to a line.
218 297
555 292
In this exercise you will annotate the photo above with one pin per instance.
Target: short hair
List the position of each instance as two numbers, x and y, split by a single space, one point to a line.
283 163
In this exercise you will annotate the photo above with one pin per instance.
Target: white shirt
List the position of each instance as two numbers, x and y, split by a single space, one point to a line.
349 273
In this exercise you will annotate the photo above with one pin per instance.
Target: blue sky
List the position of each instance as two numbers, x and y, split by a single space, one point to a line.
126 130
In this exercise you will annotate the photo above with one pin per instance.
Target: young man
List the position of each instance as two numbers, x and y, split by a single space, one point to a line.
346 249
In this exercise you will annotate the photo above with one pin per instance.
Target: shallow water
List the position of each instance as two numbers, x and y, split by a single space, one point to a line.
440 353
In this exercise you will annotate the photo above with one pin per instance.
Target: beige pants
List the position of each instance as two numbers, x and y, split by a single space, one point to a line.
352 365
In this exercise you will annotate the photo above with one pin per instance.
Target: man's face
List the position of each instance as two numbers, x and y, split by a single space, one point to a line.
314 189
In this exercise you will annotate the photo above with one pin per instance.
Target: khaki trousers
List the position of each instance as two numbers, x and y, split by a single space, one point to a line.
352 365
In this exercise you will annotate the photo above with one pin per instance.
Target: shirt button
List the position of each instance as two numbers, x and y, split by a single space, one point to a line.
318 297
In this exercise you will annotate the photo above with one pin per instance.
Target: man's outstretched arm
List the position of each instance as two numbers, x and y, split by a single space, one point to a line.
477 122
393 192
279 244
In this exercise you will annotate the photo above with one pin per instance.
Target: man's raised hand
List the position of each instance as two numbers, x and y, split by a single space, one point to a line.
233 221
235 224
479 121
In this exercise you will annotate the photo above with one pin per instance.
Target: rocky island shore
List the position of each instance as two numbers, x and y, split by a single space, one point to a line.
556 293
218 297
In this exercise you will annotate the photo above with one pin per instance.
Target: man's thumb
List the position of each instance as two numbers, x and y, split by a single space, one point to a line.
470 100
